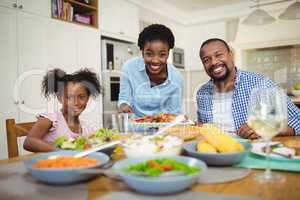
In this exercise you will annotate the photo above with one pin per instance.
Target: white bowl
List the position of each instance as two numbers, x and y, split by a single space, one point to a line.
296 93
149 146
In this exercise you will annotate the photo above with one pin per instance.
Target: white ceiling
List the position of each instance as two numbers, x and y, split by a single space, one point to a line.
196 5
188 12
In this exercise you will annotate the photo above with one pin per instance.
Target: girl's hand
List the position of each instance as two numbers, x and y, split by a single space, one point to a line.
246 132
125 108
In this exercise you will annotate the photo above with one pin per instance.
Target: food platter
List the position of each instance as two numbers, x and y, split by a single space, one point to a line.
258 149
100 137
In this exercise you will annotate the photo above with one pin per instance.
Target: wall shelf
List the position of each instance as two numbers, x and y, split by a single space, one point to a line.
76 11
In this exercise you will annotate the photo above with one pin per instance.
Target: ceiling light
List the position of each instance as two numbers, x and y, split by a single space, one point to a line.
258 17
291 12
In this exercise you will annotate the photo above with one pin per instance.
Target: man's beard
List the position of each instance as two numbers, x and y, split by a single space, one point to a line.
222 78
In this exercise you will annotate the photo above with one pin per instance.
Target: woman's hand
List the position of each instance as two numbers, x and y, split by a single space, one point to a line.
125 108
246 132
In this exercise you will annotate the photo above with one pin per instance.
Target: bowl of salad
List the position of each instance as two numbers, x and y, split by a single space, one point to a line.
100 137
163 145
160 174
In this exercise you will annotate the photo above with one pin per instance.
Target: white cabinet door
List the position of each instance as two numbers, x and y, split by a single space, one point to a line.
61 47
88 48
109 16
31 68
32 53
9 3
8 72
129 20
88 54
119 19
38 7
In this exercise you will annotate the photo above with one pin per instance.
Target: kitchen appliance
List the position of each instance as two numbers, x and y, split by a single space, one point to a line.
114 54
177 57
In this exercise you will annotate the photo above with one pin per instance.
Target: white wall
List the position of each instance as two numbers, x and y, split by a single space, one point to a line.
197 34
279 33
177 29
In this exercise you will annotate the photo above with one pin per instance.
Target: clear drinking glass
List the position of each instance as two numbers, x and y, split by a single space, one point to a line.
267 117
120 122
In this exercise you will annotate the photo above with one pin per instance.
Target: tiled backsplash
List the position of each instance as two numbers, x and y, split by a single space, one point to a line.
281 64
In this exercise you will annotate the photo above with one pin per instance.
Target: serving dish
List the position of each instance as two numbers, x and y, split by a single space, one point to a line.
100 137
258 149
164 145
62 175
161 184
217 159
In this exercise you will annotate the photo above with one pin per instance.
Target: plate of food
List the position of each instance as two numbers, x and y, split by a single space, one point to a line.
286 151
63 169
217 148
186 132
101 136
162 119
160 174
164 145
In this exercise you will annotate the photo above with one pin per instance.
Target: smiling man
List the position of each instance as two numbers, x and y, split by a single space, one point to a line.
223 100
149 85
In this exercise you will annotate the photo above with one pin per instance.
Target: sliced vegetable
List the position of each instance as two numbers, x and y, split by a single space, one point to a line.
80 142
60 140
158 167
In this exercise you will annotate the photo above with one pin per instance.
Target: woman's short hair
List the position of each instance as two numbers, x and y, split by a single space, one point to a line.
156 32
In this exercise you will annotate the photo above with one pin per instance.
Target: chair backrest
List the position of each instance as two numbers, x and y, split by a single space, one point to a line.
13 131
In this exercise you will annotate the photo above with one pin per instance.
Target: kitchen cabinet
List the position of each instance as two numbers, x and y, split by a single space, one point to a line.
22 53
30 45
40 7
76 11
119 19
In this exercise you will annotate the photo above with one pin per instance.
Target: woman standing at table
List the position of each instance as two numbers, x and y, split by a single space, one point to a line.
149 85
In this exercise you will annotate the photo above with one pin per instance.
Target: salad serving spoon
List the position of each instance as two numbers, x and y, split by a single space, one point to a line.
177 120
91 150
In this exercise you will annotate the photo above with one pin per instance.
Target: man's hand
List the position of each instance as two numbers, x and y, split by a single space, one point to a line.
246 132
125 108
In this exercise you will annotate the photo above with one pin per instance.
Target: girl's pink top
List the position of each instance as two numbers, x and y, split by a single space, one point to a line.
60 127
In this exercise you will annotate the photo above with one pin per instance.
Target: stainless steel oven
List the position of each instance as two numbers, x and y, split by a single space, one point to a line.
111 85
116 52
113 54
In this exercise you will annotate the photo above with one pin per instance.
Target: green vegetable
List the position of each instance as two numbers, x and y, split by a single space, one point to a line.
104 132
60 140
80 142
158 166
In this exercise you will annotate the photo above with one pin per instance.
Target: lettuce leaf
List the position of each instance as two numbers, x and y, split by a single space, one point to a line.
60 140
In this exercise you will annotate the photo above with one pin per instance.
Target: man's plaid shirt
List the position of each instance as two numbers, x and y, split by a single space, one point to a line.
244 83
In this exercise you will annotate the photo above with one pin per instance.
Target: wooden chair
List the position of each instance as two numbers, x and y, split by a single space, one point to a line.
13 131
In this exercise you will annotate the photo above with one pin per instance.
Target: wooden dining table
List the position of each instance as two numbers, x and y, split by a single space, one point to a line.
287 190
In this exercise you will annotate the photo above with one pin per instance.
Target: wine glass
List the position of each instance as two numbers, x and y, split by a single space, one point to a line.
267 116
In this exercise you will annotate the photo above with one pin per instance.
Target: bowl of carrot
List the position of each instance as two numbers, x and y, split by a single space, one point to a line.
64 169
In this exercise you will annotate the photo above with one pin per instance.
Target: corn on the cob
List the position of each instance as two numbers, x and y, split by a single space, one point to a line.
205 147
221 141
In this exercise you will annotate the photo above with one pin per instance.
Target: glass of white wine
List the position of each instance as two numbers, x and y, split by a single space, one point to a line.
267 116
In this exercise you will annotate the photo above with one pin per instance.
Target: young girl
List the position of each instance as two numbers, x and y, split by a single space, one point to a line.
73 92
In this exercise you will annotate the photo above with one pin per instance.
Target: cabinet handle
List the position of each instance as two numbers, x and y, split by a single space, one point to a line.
16 102
20 6
14 5
23 102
